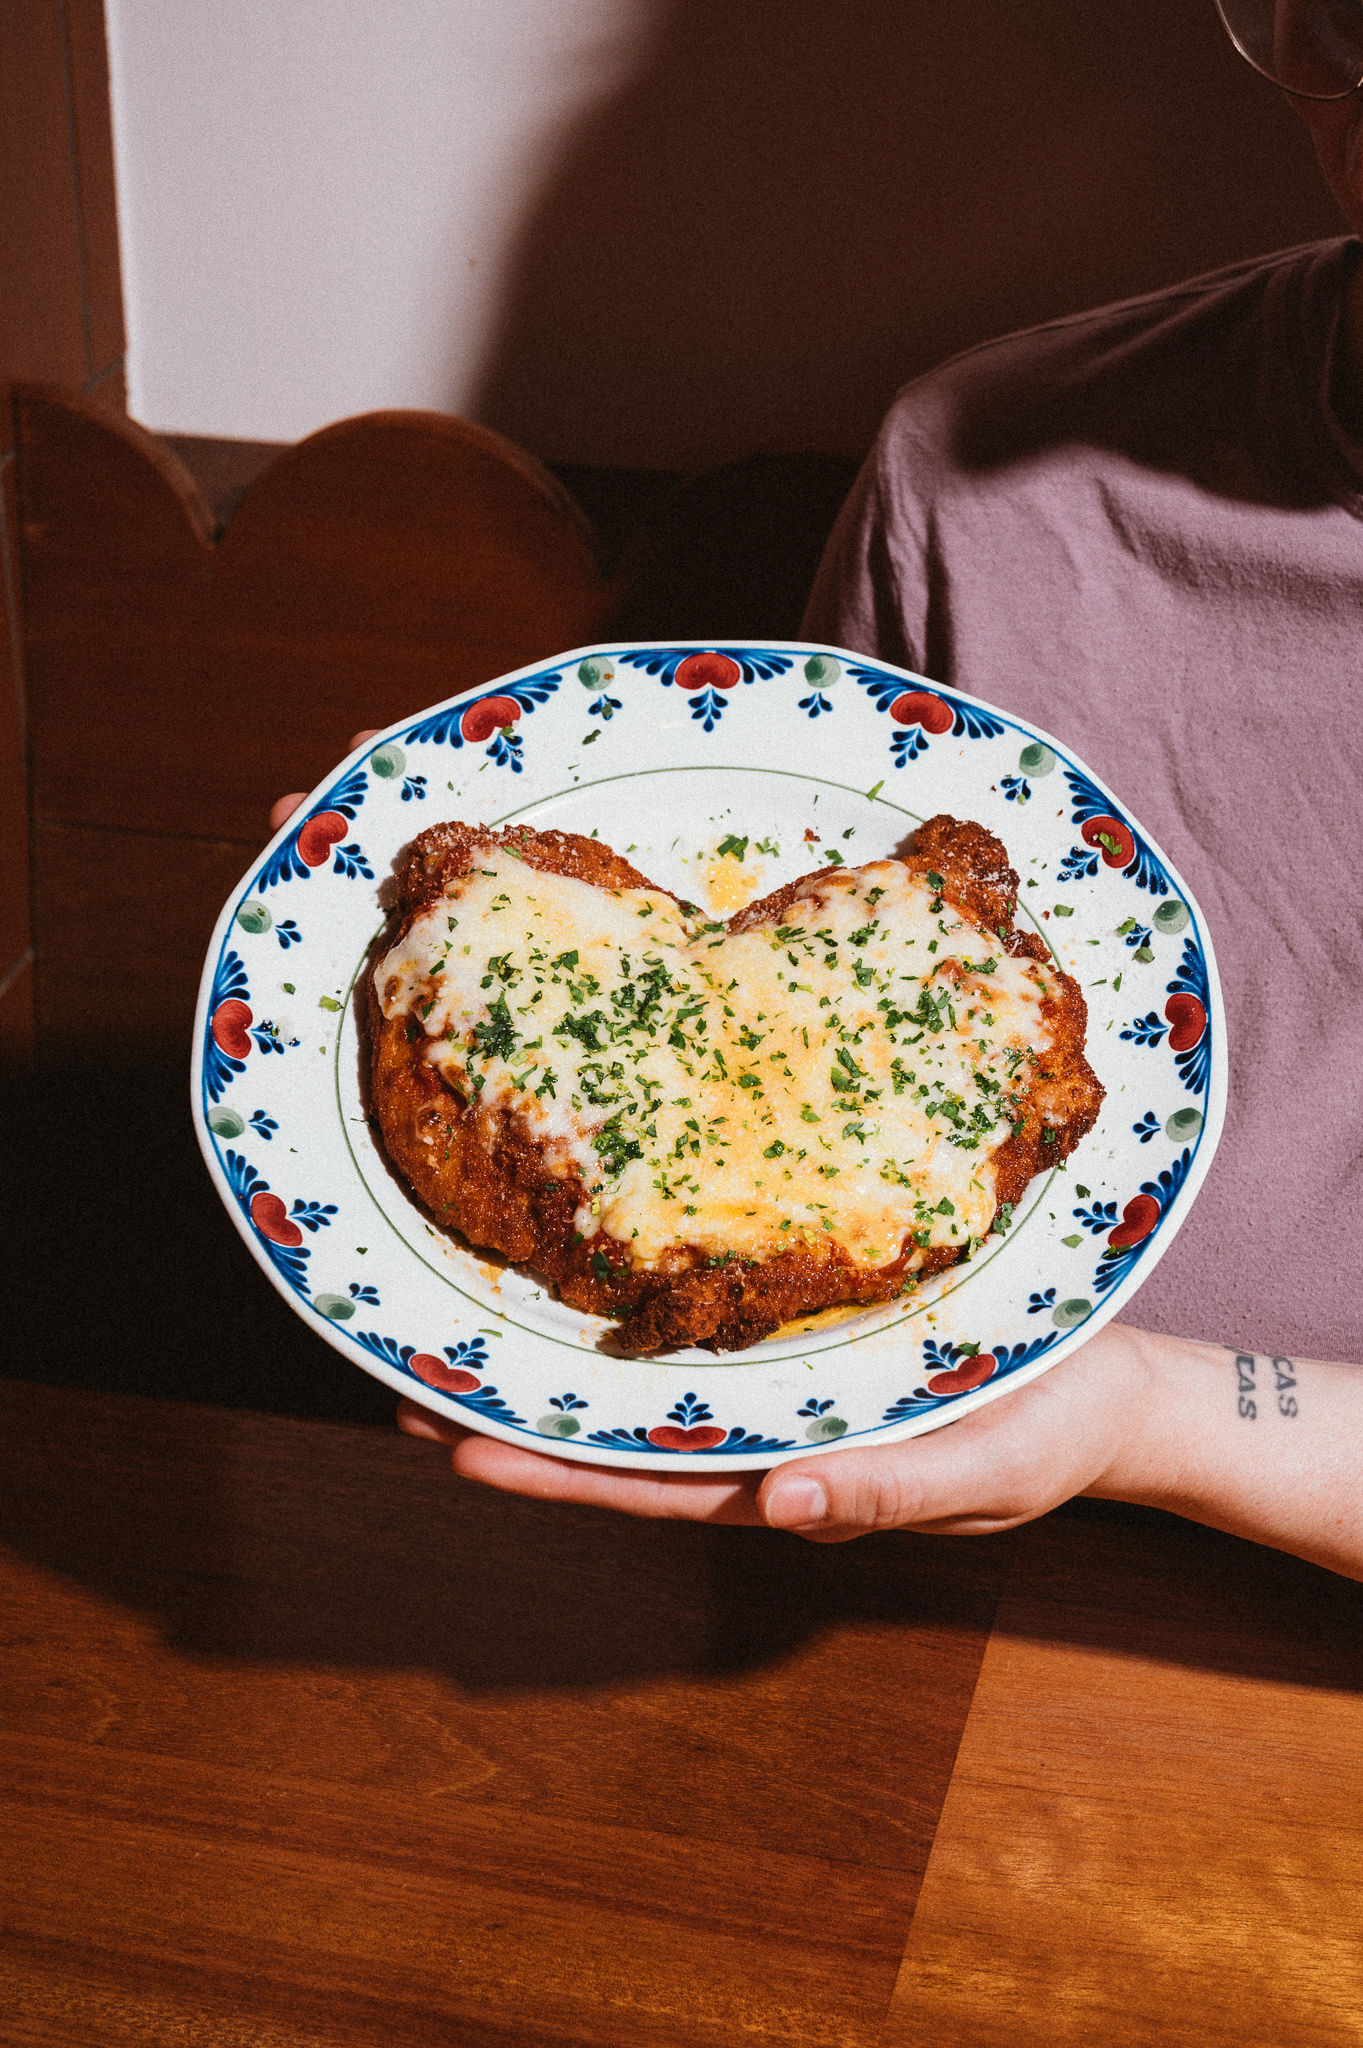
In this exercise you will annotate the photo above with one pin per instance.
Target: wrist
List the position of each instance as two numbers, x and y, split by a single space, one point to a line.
1259 1445
1163 1385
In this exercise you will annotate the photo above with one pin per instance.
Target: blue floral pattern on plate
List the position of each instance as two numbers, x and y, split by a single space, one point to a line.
306 846
670 732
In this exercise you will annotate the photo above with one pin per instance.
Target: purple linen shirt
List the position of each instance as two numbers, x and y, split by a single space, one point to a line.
1142 528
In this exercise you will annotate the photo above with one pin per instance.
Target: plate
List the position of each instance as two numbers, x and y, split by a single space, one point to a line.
666 752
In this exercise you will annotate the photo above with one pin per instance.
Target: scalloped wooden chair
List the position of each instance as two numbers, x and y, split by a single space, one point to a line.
180 678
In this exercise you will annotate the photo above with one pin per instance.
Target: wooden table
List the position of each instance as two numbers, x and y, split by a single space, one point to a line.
307 1744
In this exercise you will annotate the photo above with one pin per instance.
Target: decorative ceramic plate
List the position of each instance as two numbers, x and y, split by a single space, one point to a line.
667 752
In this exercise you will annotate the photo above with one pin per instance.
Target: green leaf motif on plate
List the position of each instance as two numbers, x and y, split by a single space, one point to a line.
1069 1314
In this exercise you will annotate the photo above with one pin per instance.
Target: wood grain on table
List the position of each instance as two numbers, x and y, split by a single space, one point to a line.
1154 1833
308 1744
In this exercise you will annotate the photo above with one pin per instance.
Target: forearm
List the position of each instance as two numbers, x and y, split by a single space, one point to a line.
1268 1448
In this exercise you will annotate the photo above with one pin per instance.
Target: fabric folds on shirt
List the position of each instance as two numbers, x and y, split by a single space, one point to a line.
1142 529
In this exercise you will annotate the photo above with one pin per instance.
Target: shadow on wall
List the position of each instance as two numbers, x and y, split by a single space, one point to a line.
796 208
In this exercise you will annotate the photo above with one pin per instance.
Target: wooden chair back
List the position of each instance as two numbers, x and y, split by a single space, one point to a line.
180 678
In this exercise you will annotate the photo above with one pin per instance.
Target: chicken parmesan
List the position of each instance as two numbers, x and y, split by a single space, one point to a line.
704 1129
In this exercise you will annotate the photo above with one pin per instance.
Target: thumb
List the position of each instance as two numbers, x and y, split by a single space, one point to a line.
1009 1461
844 1494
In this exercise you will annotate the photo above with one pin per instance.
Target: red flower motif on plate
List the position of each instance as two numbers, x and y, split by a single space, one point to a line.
922 707
708 672
272 1219
318 834
971 1372
1094 830
487 716
1187 1020
702 1436
229 1028
448 1379
1139 1218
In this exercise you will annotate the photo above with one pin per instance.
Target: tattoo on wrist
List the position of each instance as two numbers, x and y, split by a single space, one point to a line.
1251 1392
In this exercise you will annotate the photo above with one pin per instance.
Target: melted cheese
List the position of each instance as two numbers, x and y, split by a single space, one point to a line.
849 1073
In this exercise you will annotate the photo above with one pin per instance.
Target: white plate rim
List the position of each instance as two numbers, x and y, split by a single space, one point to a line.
921 1422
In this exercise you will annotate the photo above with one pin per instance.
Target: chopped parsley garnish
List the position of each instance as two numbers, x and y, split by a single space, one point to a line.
614 1148
498 1038
499 968
585 1030
657 1020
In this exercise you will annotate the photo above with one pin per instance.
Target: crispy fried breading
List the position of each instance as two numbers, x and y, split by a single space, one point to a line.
481 1172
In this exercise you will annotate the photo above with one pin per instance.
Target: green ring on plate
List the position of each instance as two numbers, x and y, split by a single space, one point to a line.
1171 916
558 1425
1069 1314
1036 759
1183 1125
225 1123
335 1307
388 761
822 670
254 917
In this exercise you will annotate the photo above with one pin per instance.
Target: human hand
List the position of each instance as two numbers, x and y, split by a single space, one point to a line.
283 808
1068 1432
1008 1462
1129 1416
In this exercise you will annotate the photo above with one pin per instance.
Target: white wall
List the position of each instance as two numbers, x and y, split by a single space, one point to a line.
319 198
658 232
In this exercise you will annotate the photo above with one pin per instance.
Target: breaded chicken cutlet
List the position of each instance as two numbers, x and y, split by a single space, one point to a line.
705 1130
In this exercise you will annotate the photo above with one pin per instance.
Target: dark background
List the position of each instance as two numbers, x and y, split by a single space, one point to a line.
785 214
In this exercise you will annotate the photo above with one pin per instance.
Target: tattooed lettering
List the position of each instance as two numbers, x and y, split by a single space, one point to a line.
1249 1392
1244 1372
1285 1376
